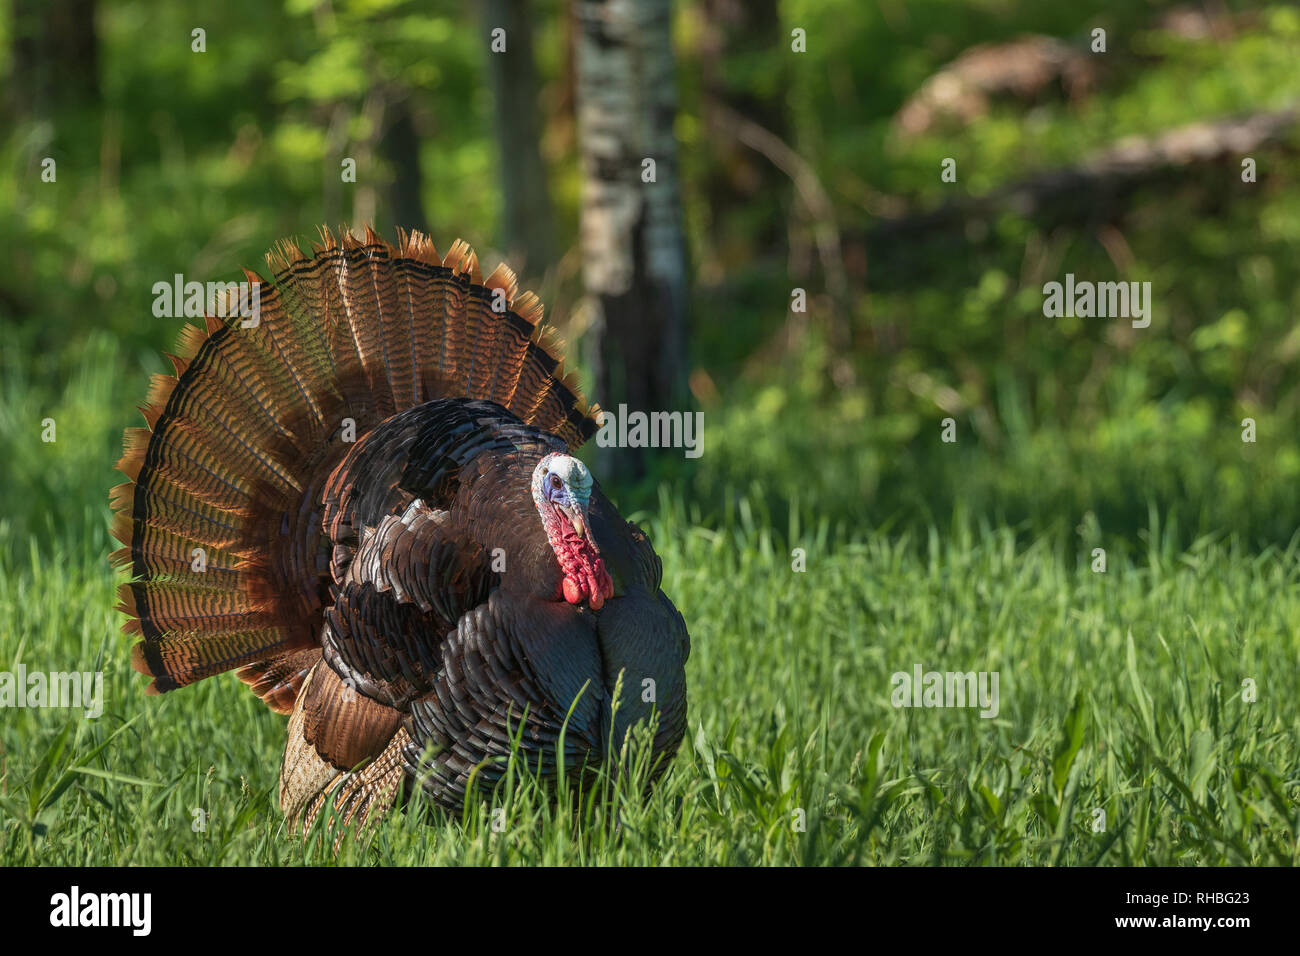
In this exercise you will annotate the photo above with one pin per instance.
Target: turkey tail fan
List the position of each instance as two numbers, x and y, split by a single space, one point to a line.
220 519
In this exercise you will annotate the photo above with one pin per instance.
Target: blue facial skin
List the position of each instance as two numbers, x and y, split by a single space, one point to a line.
571 494
564 483
565 495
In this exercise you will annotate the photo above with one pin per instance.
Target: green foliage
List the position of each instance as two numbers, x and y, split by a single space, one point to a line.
1119 692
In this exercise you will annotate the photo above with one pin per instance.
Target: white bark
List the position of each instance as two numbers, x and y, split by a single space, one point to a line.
634 253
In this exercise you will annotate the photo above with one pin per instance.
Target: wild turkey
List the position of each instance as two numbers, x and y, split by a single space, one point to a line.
415 595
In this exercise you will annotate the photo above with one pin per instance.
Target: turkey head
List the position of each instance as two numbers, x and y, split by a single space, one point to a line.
562 490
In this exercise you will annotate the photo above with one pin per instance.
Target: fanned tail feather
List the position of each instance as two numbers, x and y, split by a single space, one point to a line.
220 517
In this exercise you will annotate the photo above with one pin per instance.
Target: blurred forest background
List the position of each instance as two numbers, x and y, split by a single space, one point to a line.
809 164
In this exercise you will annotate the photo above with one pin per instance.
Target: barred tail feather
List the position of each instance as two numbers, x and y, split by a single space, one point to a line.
220 516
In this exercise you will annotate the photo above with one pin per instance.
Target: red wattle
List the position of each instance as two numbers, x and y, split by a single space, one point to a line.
572 590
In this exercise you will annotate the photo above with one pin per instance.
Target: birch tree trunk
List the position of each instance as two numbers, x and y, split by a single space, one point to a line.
526 215
634 259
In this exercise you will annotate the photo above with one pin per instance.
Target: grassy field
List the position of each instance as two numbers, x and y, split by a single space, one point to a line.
1120 692
1147 715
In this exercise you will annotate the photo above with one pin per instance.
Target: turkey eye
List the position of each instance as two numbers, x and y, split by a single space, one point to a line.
555 482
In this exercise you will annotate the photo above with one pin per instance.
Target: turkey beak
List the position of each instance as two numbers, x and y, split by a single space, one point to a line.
574 514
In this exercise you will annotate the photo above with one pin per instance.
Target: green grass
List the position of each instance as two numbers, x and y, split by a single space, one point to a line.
1120 691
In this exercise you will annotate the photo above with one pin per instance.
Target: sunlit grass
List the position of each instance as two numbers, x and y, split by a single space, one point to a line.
1120 693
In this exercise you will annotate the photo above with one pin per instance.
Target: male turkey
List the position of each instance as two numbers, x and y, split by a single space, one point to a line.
367 503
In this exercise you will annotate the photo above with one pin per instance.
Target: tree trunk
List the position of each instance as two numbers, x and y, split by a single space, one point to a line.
526 215
55 56
749 198
634 259
400 147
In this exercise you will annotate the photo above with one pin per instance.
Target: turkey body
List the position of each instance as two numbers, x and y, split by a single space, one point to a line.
357 472
419 622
